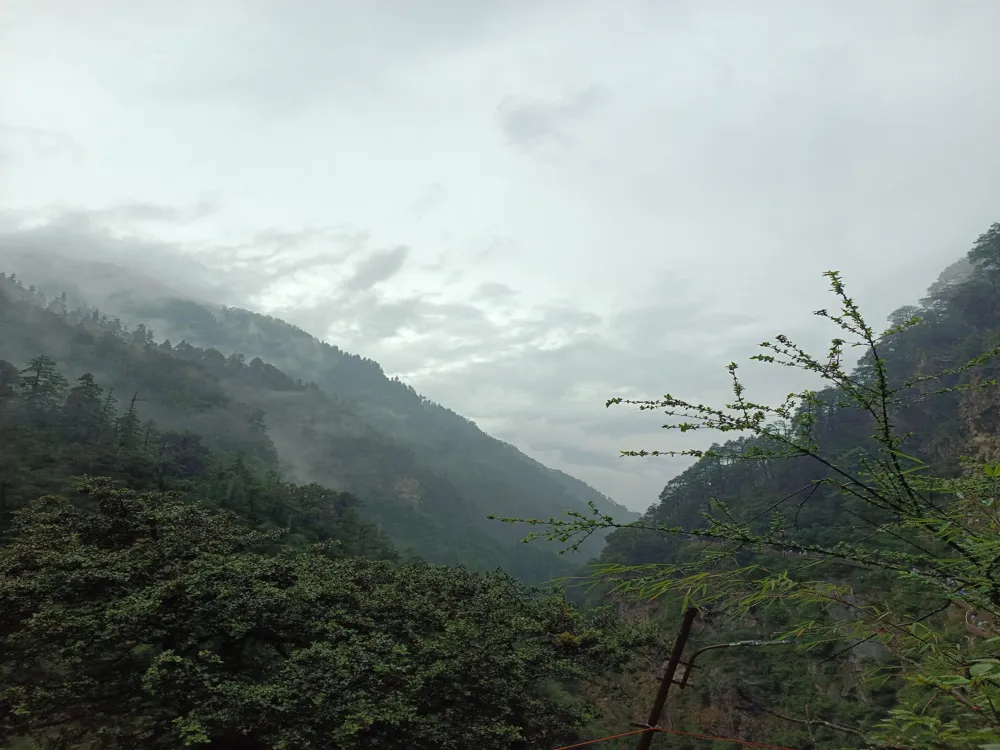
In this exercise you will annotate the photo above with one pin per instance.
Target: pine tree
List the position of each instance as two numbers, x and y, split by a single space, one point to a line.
138 336
150 435
83 414
109 415
129 428
9 378
42 388
59 305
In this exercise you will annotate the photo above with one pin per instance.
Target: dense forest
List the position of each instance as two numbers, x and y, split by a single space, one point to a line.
429 477
251 539
163 584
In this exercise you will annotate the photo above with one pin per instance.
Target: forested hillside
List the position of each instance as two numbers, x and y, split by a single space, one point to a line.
855 521
488 471
845 546
426 475
162 584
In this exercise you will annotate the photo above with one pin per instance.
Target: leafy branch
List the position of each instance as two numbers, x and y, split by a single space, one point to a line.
949 526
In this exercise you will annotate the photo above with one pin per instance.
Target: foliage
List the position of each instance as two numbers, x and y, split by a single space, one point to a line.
431 501
184 593
137 619
490 475
916 562
76 431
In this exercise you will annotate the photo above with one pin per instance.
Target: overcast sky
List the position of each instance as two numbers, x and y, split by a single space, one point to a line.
519 207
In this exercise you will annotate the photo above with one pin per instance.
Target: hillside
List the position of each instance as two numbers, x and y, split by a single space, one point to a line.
959 319
869 535
483 467
162 584
426 475
854 531
445 441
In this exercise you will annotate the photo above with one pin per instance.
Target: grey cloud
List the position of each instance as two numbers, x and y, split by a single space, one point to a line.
78 240
747 146
618 424
554 399
361 319
542 373
287 56
579 457
18 140
152 212
529 123
96 234
494 290
472 254
273 254
378 267
439 263
430 199
275 245
375 320
371 320
495 248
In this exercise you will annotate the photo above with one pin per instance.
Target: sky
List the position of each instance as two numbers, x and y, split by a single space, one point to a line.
520 207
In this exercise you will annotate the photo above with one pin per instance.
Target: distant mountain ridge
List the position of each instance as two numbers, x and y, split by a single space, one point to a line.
427 474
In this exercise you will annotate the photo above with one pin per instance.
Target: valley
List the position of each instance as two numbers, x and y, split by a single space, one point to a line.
288 455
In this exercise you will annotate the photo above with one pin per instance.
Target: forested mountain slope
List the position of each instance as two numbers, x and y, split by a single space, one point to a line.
959 319
871 555
862 521
253 408
163 585
460 466
483 467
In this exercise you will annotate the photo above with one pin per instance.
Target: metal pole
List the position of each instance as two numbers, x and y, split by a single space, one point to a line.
646 738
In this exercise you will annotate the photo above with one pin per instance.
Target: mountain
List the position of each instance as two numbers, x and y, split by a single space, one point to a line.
163 584
428 476
847 582
884 552
440 438
959 319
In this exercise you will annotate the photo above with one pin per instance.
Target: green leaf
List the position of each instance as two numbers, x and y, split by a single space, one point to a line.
983 668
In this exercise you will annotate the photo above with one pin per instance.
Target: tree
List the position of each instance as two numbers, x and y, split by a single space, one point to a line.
42 387
41 383
183 454
83 416
129 427
9 379
135 619
986 252
930 544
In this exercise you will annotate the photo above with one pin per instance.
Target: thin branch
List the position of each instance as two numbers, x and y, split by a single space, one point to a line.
853 731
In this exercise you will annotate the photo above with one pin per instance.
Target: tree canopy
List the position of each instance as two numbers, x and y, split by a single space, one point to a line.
139 619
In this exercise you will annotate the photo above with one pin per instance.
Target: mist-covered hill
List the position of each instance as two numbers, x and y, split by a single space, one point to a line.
794 514
428 476
163 583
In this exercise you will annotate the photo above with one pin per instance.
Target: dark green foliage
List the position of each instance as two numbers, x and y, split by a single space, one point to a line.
136 619
847 519
190 596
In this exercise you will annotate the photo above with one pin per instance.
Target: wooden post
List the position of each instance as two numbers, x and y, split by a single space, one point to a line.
670 669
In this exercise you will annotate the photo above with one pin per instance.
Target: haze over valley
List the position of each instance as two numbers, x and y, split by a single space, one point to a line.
520 211
443 375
